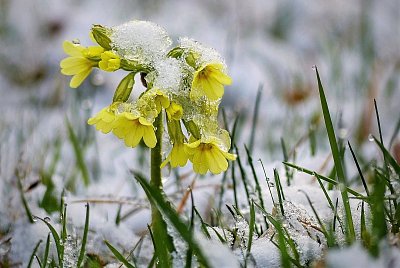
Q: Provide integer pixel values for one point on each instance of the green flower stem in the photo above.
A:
(156, 158)
(163, 245)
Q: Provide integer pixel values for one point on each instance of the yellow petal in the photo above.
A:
(149, 137)
(77, 80)
(212, 164)
(221, 78)
(72, 49)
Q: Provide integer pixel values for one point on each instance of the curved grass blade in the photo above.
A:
(155, 197)
(57, 241)
(34, 254)
(322, 177)
(118, 255)
(350, 233)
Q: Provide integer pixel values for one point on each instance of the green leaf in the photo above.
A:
(124, 88)
(156, 198)
(118, 255)
(101, 35)
(350, 233)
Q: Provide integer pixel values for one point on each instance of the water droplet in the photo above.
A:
(98, 79)
(47, 219)
(370, 137)
(314, 67)
(343, 133)
(76, 41)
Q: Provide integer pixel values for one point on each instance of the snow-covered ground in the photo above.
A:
(355, 44)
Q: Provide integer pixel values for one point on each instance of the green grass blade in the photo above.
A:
(289, 176)
(330, 240)
(388, 156)
(350, 233)
(33, 254)
(56, 237)
(322, 177)
(268, 182)
(359, 169)
(46, 251)
(84, 237)
(23, 199)
(258, 188)
(118, 255)
(243, 175)
(395, 132)
(78, 153)
(155, 196)
(234, 184)
(251, 231)
(255, 117)
(203, 224)
(365, 236)
(279, 191)
(285, 257)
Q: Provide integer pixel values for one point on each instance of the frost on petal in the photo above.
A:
(140, 41)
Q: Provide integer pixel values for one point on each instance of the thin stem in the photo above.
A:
(156, 158)
(162, 243)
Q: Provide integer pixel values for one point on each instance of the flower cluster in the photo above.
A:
(185, 82)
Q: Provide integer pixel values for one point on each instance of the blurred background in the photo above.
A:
(270, 48)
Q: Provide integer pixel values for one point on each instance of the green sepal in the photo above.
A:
(124, 88)
(192, 128)
(176, 52)
(101, 35)
(191, 59)
(175, 131)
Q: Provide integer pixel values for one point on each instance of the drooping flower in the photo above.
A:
(174, 111)
(80, 63)
(209, 80)
(110, 61)
(208, 155)
(151, 103)
(127, 125)
(132, 128)
(178, 156)
(104, 120)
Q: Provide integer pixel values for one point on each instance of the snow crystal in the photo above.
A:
(217, 254)
(140, 41)
(169, 75)
(357, 256)
(70, 252)
(206, 54)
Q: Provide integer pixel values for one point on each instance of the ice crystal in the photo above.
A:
(140, 41)
(70, 253)
(168, 75)
(202, 53)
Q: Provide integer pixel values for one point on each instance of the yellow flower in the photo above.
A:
(174, 111)
(132, 128)
(110, 61)
(207, 155)
(209, 80)
(80, 63)
(178, 156)
(104, 120)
